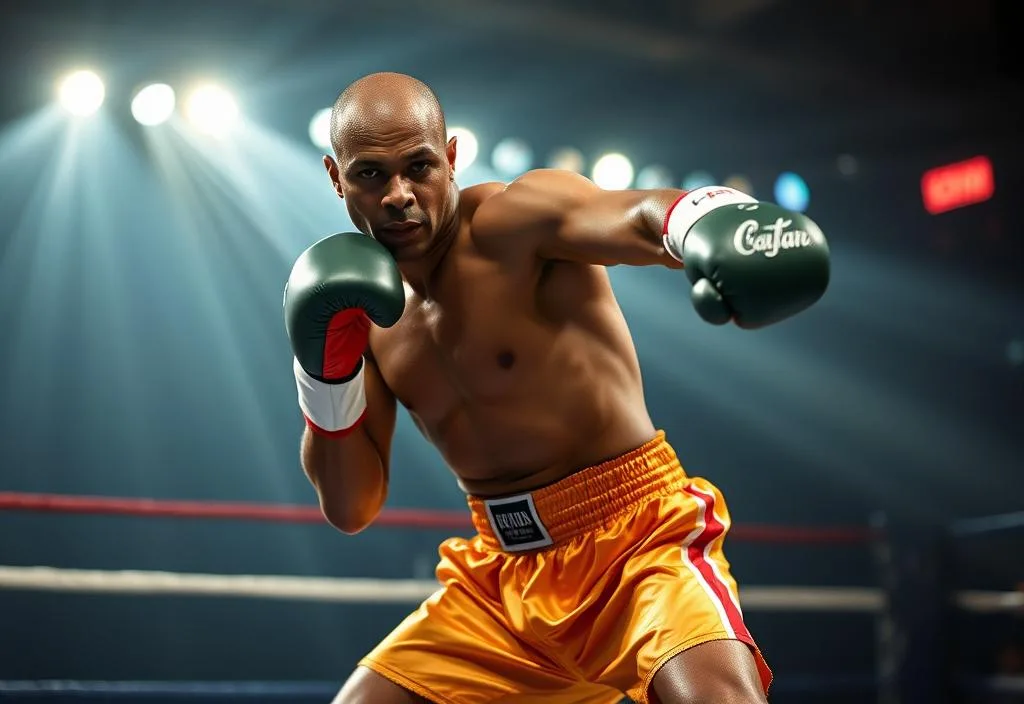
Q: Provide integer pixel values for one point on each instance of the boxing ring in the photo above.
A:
(913, 606)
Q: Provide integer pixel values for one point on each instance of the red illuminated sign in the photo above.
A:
(956, 185)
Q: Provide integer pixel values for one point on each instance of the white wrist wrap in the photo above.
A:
(330, 407)
(692, 207)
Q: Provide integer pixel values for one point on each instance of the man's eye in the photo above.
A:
(368, 173)
(419, 167)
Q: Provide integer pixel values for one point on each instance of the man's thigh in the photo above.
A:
(675, 595)
(460, 647)
(367, 687)
(721, 671)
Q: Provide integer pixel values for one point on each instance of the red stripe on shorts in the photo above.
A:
(713, 529)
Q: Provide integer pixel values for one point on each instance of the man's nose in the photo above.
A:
(398, 194)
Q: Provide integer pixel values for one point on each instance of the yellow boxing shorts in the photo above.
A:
(575, 593)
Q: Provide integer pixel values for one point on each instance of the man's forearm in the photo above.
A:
(654, 205)
(349, 477)
(616, 227)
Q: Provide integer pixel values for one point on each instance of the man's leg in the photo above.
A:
(367, 687)
(675, 612)
(720, 671)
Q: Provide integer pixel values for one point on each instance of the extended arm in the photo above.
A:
(561, 215)
(750, 262)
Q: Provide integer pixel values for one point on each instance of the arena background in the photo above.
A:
(141, 268)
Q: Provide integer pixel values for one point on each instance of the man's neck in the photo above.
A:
(419, 274)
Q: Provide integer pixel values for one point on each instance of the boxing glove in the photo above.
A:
(336, 288)
(750, 262)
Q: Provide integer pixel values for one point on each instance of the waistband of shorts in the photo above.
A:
(589, 498)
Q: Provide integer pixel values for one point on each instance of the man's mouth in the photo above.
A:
(402, 227)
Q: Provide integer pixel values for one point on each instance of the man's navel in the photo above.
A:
(506, 359)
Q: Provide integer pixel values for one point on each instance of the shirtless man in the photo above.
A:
(597, 568)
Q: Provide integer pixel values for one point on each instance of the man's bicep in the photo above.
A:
(381, 412)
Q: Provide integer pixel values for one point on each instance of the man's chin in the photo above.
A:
(404, 250)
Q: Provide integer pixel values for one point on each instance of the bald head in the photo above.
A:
(381, 101)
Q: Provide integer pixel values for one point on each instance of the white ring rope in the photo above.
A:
(352, 590)
(989, 602)
(394, 591)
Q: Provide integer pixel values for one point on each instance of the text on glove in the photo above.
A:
(752, 237)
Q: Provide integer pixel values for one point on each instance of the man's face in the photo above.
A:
(395, 180)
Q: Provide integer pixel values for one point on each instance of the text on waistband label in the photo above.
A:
(516, 523)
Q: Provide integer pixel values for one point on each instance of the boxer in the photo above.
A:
(597, 568)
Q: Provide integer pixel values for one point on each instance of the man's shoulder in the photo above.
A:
(471, 197)
(515, 218)
(539, 182)
(489, 214)
(533, 197)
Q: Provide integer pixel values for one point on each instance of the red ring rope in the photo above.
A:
(395, 517)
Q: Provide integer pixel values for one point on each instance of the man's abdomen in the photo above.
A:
(564, 421)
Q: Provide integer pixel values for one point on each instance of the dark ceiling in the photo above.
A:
(776, 77)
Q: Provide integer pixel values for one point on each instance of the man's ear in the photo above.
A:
(332, 170)
(449, 152)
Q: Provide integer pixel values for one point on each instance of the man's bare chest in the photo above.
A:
(476, 345)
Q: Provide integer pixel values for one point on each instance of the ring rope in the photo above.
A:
(987, 524)
(351, 590)
(324, 691)
(394, 517)
(997, 684)
(394, 591)
(130, 688)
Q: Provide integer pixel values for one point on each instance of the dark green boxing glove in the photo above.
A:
(750, 262)
(337, 287)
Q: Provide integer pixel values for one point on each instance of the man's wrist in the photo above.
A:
(332, 408)
(690, 207)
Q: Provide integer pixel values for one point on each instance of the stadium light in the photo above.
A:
(791, 191)
(466, 147)
(81, 93)
(741, 183)
(698, 179)
(654, 176)
(613, 172)
(320, 129)
(212, 110)
(512, 157)
(567, 158)
(153, 105)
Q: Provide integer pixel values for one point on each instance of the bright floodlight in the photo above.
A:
(82, 93)
(613, 172)
(212, 110)
(153, 104)
(320, 129)
(791, 191)
(654, 176)
(511, 157)
(740, 183)
(567, 158)
(466, 147)
(697, 179)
